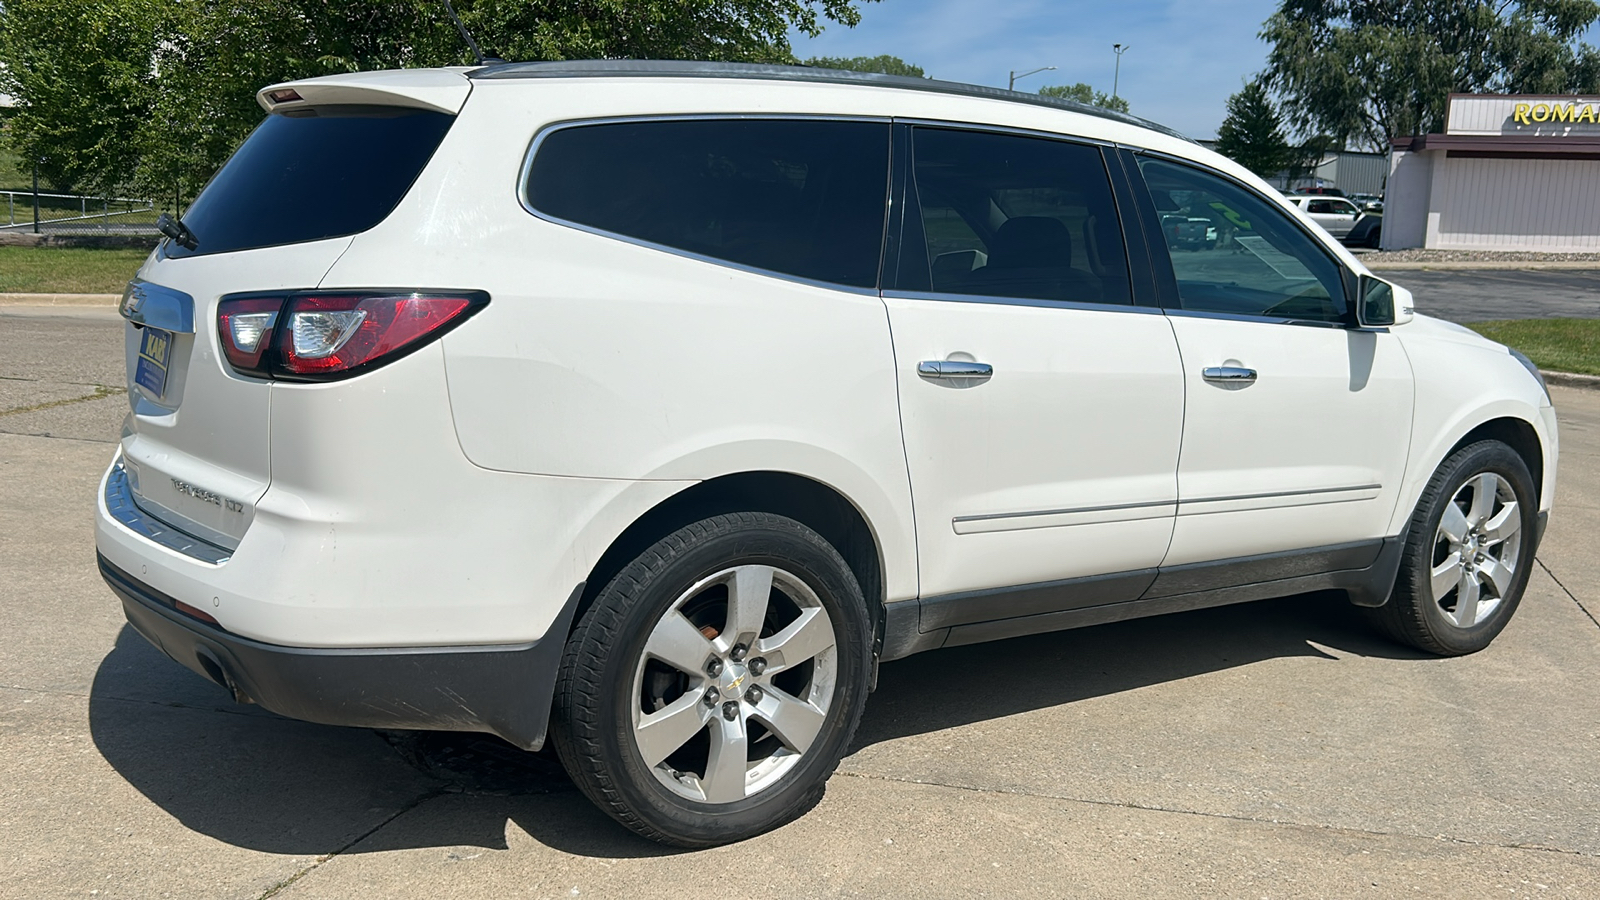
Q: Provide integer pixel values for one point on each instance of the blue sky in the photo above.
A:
(1184, 58)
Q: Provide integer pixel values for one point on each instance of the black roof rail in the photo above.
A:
(674, 68)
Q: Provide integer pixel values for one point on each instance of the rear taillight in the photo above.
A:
(324, 336)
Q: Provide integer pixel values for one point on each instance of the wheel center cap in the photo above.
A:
(734, 680)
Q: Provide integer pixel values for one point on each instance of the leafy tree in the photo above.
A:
(1083, 93)
(81, 77)
(155, 94)
(883, 65)
(1375, 70)
(1252, 134)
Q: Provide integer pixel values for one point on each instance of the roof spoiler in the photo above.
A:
(437, 90)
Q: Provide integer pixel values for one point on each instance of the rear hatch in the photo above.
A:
(279, 214)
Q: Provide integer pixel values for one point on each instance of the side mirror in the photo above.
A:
(1381, 304)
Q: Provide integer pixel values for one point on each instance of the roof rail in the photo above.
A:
(673, 68)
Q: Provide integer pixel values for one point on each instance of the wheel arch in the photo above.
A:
(818, 506)
(1519, 435)
(1506, 422)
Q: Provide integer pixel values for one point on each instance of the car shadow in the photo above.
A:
(255, 780)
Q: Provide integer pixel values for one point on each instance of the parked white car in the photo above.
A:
(657, 403)
(1336, 215)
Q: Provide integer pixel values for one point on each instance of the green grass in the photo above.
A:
(63, 270)
(1557, 345)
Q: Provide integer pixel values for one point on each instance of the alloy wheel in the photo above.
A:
(1477, 550)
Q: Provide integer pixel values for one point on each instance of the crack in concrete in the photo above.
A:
(284, 885)
(1539, 848)
(163, 703)
(100, 393)
(1570, 595)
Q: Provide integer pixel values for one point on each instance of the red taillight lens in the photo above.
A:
(331, 334)
(312, 336)
(246, 327)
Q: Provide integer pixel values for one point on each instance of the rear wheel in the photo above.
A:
(1468, 553)
(715, 683)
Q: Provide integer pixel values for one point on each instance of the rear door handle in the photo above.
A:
(1229, 374)
(952, 368)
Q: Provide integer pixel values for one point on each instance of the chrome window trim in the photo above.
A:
(550, 128)
(121, 506)
(1023, 301)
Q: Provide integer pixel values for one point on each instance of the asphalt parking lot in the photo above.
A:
(1477, 295)
(1271, 749)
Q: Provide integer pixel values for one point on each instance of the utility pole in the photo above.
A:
(1012, 85)
(1116, 77)
(36, 196)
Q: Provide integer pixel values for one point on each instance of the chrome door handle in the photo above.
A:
(953, 368)
(1229, 374)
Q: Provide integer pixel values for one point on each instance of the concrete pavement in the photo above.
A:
(1270, 749)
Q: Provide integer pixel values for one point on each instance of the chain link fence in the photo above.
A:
(26, 211)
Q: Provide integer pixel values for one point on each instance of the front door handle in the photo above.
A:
(1229, 374)
(954, 368)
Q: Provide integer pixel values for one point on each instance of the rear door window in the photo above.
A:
(793, 196)
(1013, 216)
(313, 174)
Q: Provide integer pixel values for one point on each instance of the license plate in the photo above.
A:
(155, 352)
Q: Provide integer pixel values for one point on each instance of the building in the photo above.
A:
(1351, 171)
(1510, 172)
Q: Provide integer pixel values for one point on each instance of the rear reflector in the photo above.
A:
(324, 336)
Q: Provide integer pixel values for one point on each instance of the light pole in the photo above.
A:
(1116, 77)
(1014, 76)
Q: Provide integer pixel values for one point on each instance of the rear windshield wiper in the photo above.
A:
(174, 228)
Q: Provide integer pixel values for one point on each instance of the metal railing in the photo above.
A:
(76, 213)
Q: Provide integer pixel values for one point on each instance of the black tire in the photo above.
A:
(1375, 238)
(1413, 616)
(593, 722)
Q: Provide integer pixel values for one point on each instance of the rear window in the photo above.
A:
(798, 197)
(318, 173)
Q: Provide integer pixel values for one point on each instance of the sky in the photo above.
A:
(1184, 57)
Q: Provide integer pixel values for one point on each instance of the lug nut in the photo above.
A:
(730, 710)
(739, 650)
(758, 665)
(714, 667)
(711, 698)
(754, 695)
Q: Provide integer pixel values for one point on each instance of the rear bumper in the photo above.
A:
(503, 689)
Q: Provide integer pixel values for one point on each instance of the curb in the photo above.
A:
(60, 299)
(1469, 265)
(1572, 380)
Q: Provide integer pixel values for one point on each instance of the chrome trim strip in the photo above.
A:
(1024, 301)
(1062, 512)
(120, 504)
(551, 128)
(1270, 494)
(1157, 508)
(144, 303)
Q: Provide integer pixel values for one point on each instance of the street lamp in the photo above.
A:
(1116, 77)
(1014, 76)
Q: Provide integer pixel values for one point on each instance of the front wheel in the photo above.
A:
(715, 683)
(1468, 554)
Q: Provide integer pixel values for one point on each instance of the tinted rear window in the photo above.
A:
(804, 198)
(319, 174)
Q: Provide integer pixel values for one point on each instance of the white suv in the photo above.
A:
(659, 402)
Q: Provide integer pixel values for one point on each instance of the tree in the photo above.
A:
(1088, 96)
(1252, 134)
(155, 94)
(883, 65)
(1370, 71)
